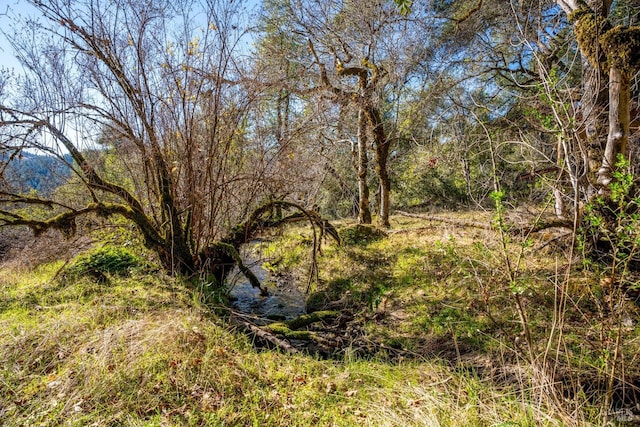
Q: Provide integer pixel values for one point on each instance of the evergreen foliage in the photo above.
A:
(36, 172)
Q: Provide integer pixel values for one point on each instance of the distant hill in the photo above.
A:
(36, 172)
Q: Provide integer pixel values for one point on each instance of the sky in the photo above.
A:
(10, 8)
(9, 11)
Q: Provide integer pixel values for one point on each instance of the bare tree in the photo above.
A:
(158, 83)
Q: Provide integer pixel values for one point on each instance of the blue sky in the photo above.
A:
(10, 8)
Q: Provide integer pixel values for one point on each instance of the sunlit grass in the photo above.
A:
(432, 288)
(141, 350)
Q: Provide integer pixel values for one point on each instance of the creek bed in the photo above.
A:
(284, 302)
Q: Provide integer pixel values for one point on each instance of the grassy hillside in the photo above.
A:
(435, 340)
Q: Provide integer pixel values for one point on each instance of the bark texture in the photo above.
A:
(364, 212)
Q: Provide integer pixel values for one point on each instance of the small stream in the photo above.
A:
(285, 301)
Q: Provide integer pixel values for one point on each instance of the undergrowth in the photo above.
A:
(146, 351)
(499, 305)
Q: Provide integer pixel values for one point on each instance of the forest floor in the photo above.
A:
(431, 323)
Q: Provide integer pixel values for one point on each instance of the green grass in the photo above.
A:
(430, 289)
(142, 350)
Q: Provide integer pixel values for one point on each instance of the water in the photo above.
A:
(285, 301)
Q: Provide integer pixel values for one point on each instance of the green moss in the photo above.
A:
(579, 13)
(283, 330)
(622, 45)
(606, 47)
(307, 319)
(288, 329)
(105, 260)
(588, 29)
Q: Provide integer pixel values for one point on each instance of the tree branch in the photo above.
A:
(568, 6)
(339, 95)
(233, 253)
(18, 198)
(244, 232)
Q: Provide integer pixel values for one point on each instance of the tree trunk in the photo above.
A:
(593, 105)
(382, 154)
(364, 213)
(381, 157)
(282, 116)
(619, 118)
(467, 173)
(177, 256)
(559, 206)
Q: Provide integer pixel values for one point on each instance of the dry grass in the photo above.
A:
(142, 351)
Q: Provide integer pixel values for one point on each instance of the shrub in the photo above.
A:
(610, 228)
(105, 260)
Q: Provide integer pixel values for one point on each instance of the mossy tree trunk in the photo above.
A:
(364, 212)
(593, 111)
(373, 75)
(613, 52)
(345, 98)
(381, 144)
(369, 77)
(619, 118)
(594, 100)
(559, 205)
(610, 51)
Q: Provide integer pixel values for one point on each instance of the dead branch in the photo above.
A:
(452, 221)
(512, 228)
(264, 335)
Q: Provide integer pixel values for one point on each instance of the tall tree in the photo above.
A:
(362, 51)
